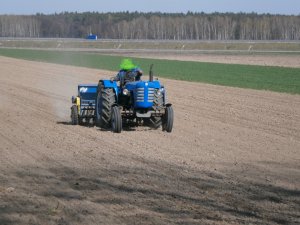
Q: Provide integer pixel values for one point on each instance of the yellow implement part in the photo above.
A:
(78, 103)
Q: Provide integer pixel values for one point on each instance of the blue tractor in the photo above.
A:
(134, 102)
(83, 108)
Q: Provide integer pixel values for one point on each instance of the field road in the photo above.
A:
(232, 158)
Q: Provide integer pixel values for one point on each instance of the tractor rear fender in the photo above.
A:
(164, 92)
(168, 104)
(111, 84)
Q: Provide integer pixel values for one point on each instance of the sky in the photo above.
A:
(287, 7)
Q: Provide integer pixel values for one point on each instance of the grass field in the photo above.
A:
(255, 77)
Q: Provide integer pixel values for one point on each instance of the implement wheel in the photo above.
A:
(168, 119)
(74, 115)
(116, 120)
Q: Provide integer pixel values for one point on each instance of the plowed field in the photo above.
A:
(232, 158)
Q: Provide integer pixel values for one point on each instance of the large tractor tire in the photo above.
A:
(105, 100)
(74, 115)
(158, 104)
(168, 119)
(116, 120)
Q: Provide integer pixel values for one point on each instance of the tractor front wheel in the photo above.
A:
(168, 119)
(74, 115)
(116, 120)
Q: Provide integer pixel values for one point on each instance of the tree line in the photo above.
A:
(163, 26)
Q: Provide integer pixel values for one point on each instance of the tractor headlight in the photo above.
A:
(160, 91)
(125, 92)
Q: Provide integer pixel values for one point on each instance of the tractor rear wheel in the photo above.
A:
(116, 120)
(155, 122)
(74, 115)
(168, 119)
(104, 102)
(158, 104)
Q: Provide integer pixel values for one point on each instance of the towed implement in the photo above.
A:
(83, 108)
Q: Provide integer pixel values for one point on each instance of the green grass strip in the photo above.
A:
(277, 79)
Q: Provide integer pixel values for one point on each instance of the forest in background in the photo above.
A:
(162, 26)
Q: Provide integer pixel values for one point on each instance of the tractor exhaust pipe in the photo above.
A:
(151, 73)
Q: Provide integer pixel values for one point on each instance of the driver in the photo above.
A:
(128, 72)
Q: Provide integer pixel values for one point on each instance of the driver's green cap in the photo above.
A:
(127, 64)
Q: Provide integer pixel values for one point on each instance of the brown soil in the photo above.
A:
(262, 60)
(233, 157)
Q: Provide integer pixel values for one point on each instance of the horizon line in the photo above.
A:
(141, 12)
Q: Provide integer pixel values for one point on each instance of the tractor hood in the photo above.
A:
(138, 84)
(143, 93)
